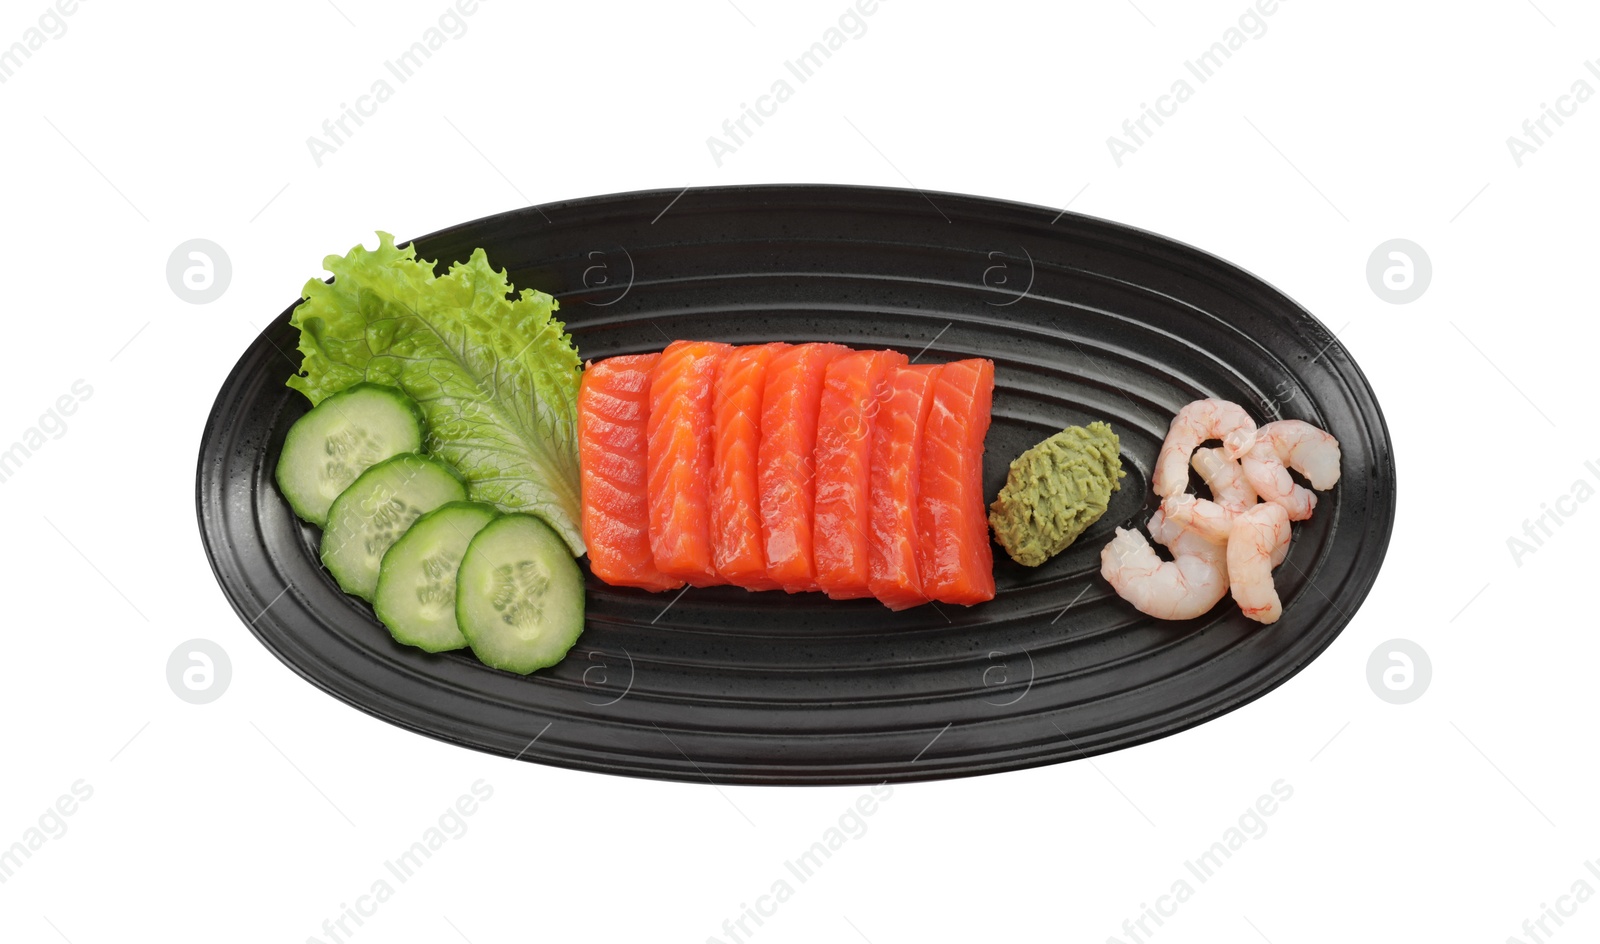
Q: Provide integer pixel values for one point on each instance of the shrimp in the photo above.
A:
(1270, 478)
(1257, 542)
(1183, 588)
(1194, 424)
(1280, 551)
(1225, 478)
(1305, 449)
(1292, 444)
(1188, 513)
(1210, 520)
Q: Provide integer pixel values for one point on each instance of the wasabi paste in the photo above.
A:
(1055, 491)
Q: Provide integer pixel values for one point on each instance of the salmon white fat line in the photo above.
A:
(1539, 529)
(736, 131)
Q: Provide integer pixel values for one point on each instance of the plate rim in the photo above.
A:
(1014, 759)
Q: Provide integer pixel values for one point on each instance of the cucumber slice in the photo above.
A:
(340, 438)
(369, 516)
(416, 595)
(519, 595)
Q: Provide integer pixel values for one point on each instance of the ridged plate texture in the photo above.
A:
(1084, 319)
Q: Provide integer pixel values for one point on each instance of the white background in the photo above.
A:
(1455, 817)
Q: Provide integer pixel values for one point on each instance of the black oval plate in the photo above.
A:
(1084, 320)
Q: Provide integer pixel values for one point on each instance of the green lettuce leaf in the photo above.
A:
(496, 375)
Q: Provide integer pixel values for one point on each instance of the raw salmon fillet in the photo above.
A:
(613, 407)
(790, 401)
(735, 497)
(852, 393)
(892, 546)
(680, 459)
(956, 562)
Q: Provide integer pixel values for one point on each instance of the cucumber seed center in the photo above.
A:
(351, 451)
(438, 586)
(390, 519)
(519, 591)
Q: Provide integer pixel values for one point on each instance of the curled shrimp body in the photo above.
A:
(1225, 478)
(1281, 550)
(1236, 538)
(1258, 541)
(1292, 444)
(1183, 588)
(1270, 478)
(1209, 520)
(1186, 512)
(1305, 449)
(1194, 424)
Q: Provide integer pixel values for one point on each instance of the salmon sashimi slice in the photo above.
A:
(893, 573)
(613, 409)
(680, 459)
(852, 398)
(956, 561)
(790, 401)
(735, 496)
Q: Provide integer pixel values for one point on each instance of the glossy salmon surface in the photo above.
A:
(680, 453)
(853, 391)
(955, 557)
(736, 545)
(790, 403)
(893, 572)
(613, 409)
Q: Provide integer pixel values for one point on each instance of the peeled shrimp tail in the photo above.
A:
(1225, 478)
(1183, 588)
(1305, 449)
(1254, 542)
(1270, 478)
(1207, 519)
